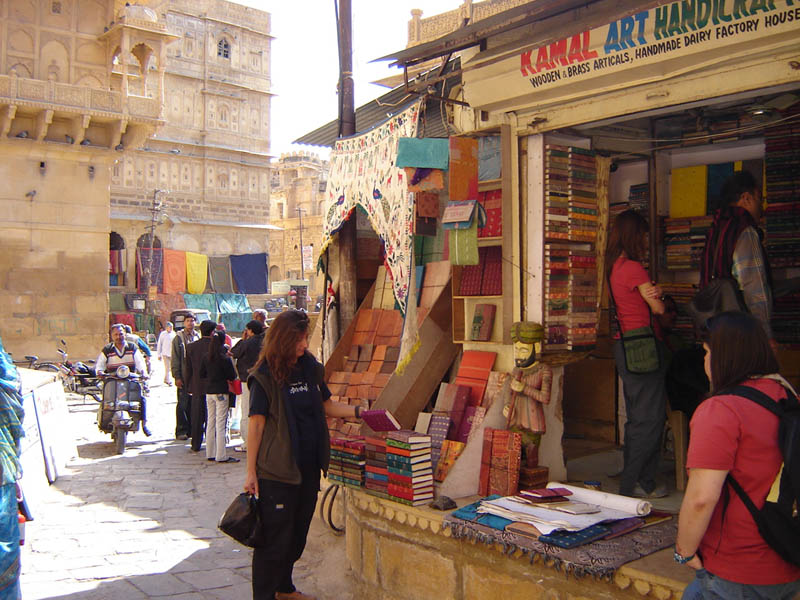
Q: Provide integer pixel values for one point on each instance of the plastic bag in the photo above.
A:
(242, 521)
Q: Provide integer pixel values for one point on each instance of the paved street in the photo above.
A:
(143, 525)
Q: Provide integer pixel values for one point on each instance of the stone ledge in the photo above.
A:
(372, 519)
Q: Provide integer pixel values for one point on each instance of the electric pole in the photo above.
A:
(348, 302)
(302, 256)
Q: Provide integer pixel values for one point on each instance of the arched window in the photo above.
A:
(223, 115)
(223, 48)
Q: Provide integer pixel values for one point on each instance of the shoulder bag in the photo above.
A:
(638, 345)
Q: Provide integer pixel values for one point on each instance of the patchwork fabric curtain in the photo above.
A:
(363, 172)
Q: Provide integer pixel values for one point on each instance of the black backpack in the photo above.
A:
(779, 522)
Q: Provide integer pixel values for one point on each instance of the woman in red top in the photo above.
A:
(635, 298)
(717, 535)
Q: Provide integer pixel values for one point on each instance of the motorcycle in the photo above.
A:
(78, 377)
(120, 411)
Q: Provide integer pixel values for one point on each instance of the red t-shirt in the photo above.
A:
(626, 277)
(730, 433)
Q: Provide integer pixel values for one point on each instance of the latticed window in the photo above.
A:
(224, 49)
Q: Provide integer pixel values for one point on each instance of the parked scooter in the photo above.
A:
(78, 377)
(120, 411)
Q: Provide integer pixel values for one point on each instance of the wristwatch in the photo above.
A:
(680, 559)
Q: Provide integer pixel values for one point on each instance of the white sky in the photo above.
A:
(305, 63)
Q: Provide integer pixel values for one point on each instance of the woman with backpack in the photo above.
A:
(635, 300)
(287, 447)
(731, 435)
(215, 371)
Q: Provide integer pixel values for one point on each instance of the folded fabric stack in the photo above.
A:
(639, 198)
(347, 461)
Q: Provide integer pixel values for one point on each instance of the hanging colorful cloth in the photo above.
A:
(174, 271)
(363, 172)
(196, 272)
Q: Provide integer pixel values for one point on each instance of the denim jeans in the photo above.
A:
(707, 586)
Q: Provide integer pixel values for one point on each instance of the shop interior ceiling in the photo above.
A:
(632, 137)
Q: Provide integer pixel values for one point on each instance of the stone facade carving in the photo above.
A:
(212, 152)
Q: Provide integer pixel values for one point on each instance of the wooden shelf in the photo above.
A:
(490, 184)
(489, 343)
(490, 241)
(475, 297)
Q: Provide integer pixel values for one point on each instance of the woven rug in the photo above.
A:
(599, 559)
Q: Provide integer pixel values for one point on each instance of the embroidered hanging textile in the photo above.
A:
(363, 172)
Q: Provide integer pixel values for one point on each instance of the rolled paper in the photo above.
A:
(606, 499)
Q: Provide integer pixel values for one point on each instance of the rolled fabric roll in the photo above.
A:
(606, 499)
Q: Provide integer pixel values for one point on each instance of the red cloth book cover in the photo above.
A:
(493, 204)
(492, 281)
(483, 322)
(466, 424)
(460, 404)
(380, 420)
(486, 458)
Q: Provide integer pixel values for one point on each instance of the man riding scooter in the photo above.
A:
(120, 352)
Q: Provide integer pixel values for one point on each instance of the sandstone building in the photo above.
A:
(211, 155)
(81, 84)
(298, 184)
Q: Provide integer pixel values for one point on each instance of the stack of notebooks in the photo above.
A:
(500, 462)
(684, 240)
(410, 473)
(782, 171)
(377, 472)
(570, 297)
(783, 234)
(485, 278)
(682, 293)
(348, 462)
(639, 198)
(570, 194)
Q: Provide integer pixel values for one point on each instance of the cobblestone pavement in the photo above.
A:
(143, 525)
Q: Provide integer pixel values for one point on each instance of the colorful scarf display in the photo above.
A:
(363, 172)
(196, 272)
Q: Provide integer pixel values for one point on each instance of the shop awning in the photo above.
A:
(376, 111)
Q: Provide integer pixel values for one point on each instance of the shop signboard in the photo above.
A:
(308, 258)
(667, 40)
(280, 287)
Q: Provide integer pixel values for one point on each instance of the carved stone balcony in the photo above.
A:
(64, 113)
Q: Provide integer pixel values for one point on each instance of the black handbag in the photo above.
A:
(242, 521)
(719, 296)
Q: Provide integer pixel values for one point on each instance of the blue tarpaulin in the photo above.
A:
(233, 303)
(250, 273)
(202, 301)
(236, 321)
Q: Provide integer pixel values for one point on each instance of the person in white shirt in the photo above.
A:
(164, 351)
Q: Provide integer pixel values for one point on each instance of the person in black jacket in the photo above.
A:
(195, 352)
(215, 371)
(246, 354)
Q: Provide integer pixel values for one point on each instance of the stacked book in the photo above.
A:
(348, 462)
(570, 297)
(783, 234)
(377, 473)
(410, 473)
(639, 198)
(582, 190)
(682, 293)
(786, 320)
(582, 319)
(684, 239)
(570, 194)
(782, 159)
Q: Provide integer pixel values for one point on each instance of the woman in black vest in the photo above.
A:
(287, 447)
